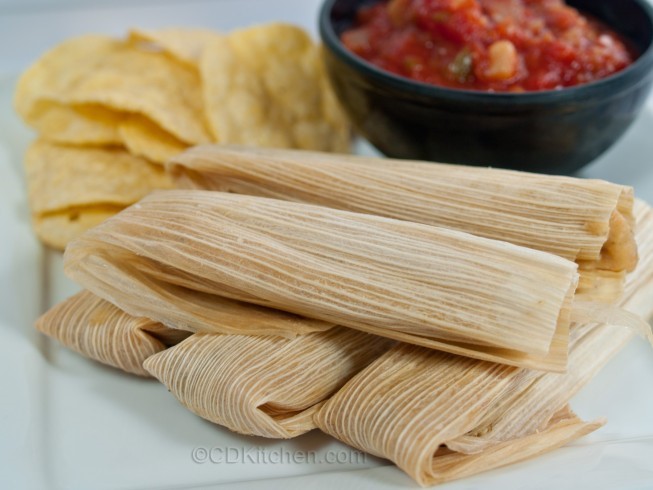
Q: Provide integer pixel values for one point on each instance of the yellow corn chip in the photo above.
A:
(117, 75)
(232, 95)
(84, 124)
(62, 177)
(72, 189)
(57, 229)
(184, 44)
(266, 86)
(144, 138)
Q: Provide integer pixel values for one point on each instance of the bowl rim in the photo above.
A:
(614, 83)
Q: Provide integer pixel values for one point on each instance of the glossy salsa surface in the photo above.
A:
(488, 45)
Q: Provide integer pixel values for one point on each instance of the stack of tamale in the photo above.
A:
(438, 316)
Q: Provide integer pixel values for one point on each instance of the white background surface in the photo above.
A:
(66, 422)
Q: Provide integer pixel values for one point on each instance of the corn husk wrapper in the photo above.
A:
(264, 386)
(587, 221)
(439, 288)
(146, 288)
(564, 428)
(98, 330)
(591, 347)
(639, 287)
(411, 401)
(440, 418)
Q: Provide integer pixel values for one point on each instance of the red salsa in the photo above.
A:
(490, 45)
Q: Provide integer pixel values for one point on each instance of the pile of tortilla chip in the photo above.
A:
(109, 112)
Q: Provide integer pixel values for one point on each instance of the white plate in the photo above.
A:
(66, 422)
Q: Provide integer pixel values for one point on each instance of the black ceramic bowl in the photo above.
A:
(552, 131)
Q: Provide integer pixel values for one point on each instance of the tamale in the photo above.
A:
(564, 428)
(639, 287)
(420, 284)
(410, 403)
(412, 400)
(98, 330)
(264, 386)
(179, 300)
(587, 221)
(592, 346)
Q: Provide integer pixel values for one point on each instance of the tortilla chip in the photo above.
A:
(233, 95)
(85, 124)
(58, 229)
(120, 76)
(63, 177)
(266, 86)
(184, 44)
(145, 139)
(72, 189)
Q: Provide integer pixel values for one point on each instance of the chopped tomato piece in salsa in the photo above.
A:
(491, 45)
